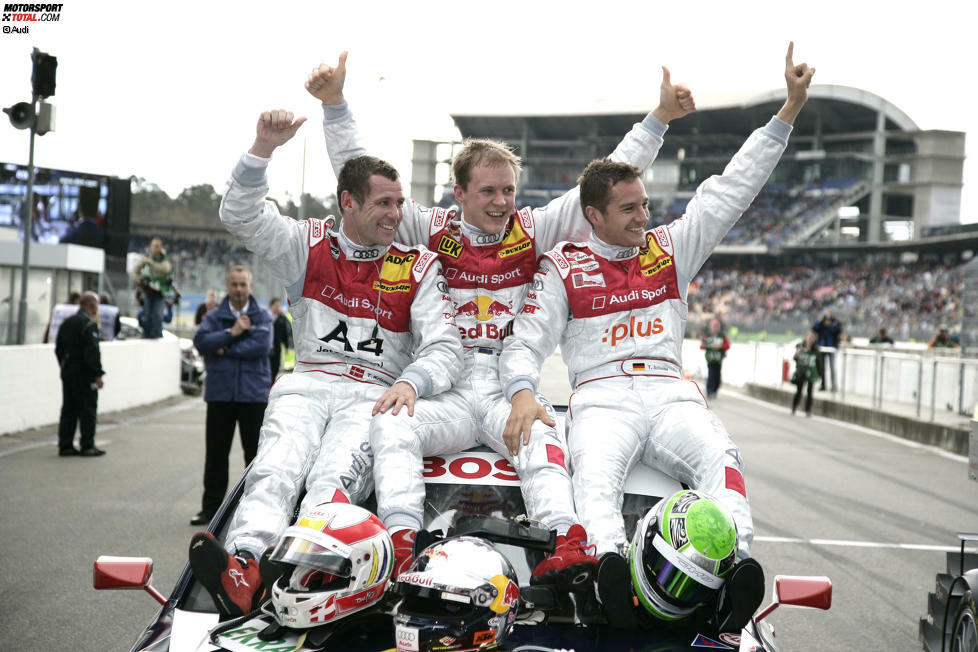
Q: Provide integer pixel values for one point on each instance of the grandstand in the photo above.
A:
(861, 215)
(849, 149)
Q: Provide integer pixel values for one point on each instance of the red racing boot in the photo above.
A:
(234, 582)
(403, 550)
(571, 566)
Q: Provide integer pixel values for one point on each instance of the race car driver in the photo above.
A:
(489, 254)
(372, 332)
(616, 304)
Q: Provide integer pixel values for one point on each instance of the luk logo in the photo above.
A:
(450, 247)
(633, 328)
(484, 308)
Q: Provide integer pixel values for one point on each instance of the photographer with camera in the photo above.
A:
(152, 275)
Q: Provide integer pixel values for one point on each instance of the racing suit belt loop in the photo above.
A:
(358, 372)
(629, 367)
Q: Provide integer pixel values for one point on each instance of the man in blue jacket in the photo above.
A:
(235, 339)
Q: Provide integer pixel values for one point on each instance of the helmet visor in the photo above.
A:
(678, 578)
(303, 552)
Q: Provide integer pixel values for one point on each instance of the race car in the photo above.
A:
(951, 623)
(475, 492)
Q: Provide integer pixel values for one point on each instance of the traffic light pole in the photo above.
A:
(28, 219)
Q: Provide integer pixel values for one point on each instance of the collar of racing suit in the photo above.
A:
(610, 252)
(360, 253)
(478, 237)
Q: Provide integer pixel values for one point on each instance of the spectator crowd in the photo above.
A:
(910, 299)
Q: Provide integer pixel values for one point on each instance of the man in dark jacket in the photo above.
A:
(829, 331)
(235, 339)
(282, 330)
(81, 377)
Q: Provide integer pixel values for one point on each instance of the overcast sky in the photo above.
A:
(171, 91)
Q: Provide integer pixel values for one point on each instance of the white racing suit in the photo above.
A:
(619, 315)
(363, 318)
(487, 278)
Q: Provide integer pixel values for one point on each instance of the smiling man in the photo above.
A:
(489, 251)
(616, 304)
(372, 331)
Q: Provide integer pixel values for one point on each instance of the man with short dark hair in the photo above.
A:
(78, 353)
(372, 332)
(616, 304)
(235, 339)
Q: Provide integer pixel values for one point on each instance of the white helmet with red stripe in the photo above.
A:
(341, 558)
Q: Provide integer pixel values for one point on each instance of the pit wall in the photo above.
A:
(137, 372)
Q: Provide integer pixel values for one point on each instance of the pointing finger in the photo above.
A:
(789, 58)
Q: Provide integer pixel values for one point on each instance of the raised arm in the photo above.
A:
(798, 78)
(325, 83)
(280, 242)
(722, 199)
(562, 218)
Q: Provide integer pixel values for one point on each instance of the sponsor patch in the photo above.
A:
(450, 247)
(657, 267)
(484, 636)
(424, 260)
(316, 232)
(582, 280)
(391, 287)
(509, 251)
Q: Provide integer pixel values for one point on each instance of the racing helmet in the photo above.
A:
(680, 554)
(338, 560)
(459, 594)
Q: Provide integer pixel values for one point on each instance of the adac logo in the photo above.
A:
(484, 308)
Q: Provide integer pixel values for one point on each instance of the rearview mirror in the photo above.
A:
(800, 591)
(125, 573)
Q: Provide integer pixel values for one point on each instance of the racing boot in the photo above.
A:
(740, 596)
(571, 566)
(614, 591)
(233, 582)
(403, 541)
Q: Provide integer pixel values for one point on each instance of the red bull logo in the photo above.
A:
(484, 308)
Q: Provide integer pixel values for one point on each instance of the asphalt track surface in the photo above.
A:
(870, 512)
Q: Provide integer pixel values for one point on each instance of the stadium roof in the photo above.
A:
(839, 109)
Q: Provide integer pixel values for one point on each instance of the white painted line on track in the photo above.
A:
(863, 429)
(860, 544)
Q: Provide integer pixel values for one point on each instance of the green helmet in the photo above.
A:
(680, 553)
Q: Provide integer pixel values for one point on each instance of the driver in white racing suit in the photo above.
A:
(372, 331)
(616, 304)
(489, 254)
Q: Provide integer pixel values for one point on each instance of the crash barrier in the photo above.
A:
(925, 381)
(137, 372)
